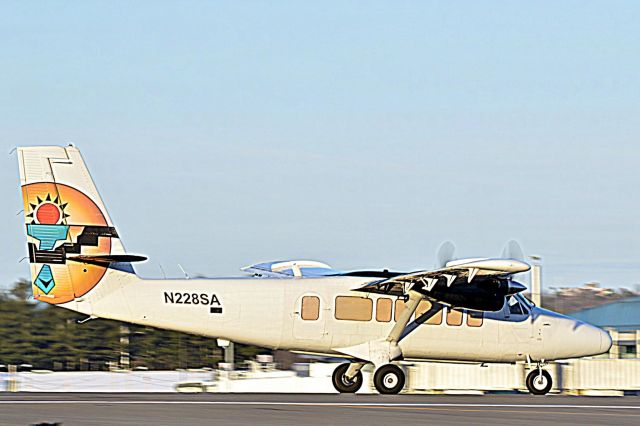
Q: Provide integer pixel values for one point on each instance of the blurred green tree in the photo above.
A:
(48, 337)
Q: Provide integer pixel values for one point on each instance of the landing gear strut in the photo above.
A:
(539, 381)
(389, 379)
(343, 383)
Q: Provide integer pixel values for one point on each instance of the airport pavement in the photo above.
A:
(292, 409)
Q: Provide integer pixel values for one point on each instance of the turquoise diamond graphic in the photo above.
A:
(44, 281)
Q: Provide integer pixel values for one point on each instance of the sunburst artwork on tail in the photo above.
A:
(63, 220)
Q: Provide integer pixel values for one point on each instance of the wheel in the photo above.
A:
(389, 379)
(344, 385)
(539, 384)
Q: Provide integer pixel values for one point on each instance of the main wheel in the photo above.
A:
(389, 379)
(344, 385)
(539, 384)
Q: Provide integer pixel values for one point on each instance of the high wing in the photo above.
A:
(290, 269)
(478, 283)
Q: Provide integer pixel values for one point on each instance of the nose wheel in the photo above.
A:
(539, 382)
(342, 383)
(389, 379)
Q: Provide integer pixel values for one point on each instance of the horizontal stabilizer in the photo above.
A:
(106, 259)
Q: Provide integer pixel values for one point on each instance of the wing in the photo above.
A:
(290, 269)
(479, 284)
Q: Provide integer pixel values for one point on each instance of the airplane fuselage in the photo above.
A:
(269, 313)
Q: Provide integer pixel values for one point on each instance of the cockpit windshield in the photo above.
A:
(518, 305)
(528, 303)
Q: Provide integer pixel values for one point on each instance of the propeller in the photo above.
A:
(513, 250)
(445, 253)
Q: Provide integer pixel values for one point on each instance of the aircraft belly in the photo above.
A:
(444, 342)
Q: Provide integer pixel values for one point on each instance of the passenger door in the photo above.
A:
(309, 318)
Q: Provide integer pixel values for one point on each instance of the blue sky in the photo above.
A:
(363, 134)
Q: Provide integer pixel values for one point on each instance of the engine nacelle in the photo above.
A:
(479, 295)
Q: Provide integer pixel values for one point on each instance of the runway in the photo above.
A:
(292, 409)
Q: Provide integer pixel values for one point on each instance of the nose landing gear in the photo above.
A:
(539, 381)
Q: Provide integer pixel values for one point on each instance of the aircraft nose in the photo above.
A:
(596, 340)
(605, 341)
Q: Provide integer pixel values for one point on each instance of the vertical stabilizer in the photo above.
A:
(65, 219)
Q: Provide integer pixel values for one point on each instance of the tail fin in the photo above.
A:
(70, 236)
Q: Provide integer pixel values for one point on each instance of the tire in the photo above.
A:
(539, 385)
(341, 383)
(389, 379)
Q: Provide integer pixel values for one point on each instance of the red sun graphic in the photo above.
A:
(47, 211)
(48, 214)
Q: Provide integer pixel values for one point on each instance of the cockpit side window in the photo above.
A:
(526, 303)
(515, 307)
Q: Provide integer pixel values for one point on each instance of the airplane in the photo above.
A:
(465, 310)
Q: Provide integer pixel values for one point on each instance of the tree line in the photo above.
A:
(47, 337)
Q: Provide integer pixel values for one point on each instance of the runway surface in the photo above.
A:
(292, 409)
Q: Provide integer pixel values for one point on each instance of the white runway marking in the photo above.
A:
(320, 404)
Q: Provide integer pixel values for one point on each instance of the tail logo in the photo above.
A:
(62, 221)
(44, 281)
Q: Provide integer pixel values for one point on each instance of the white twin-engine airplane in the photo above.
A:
(467, 310)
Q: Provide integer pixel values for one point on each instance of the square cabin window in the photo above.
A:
(354, 308)
(425, 306)
(474, 319)
(310, 308)
(400, 305)
(454, 317)
(384, 306)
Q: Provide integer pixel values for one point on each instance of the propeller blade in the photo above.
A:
(512, 250)
(445, 253)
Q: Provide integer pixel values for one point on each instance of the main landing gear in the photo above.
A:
(347, 383)
(388, 379)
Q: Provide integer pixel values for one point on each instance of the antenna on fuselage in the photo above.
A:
(186, 276)
(162, 270)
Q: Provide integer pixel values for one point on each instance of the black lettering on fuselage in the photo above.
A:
(184, 298)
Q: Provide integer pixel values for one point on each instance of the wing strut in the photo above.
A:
(382, 351)
(409, 309)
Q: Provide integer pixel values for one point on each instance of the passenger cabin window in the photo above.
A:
(474, 319)
(454, 317)
(399, 309)
(354, 308)
(425, 306)
(310, 308)
(384, 307)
